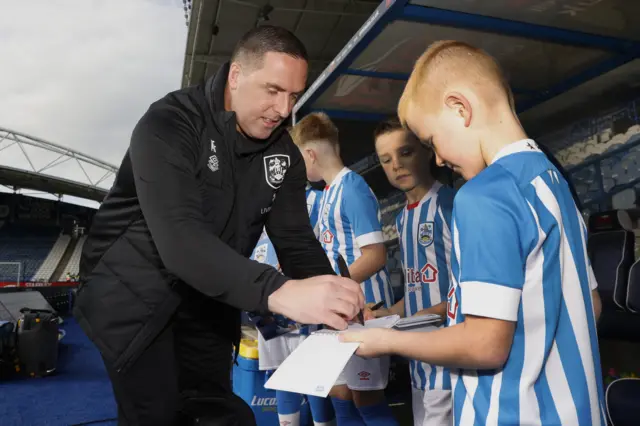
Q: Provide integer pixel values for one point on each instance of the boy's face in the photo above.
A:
(311, 163)
(404, 160)
(448, 132)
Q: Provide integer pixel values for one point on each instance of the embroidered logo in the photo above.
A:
(275, 168)
(213, 163)
(425, 234)
(261, 253)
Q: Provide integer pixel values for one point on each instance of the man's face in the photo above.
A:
(454, 144)
(263, 97)
(404, 160)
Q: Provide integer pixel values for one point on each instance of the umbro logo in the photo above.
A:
(213, 163)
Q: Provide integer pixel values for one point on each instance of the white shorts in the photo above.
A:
(272, 352)
(431, 407)
(365, 374)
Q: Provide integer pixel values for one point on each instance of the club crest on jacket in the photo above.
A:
(275, 168)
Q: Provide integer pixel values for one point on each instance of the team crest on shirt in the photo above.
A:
(325, 211)
(425, 234)
(275, 167)
(261, 253)
(327, 237)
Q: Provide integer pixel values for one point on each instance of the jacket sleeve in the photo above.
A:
(289, 228)
(164, 154)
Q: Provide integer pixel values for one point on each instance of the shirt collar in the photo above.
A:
(524, 145)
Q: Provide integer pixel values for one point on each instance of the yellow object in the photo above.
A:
(248, 349)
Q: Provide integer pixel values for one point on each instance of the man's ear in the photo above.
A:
(234, 75)
(460, 105)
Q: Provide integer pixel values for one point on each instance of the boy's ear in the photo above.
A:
(312, 154)
(460, 105)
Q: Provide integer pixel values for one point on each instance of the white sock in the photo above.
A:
(289, 419)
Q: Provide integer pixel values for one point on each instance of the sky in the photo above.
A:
(80, 73)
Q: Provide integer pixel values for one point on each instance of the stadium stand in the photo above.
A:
(50, 264)
(28, 245)
(73, 265)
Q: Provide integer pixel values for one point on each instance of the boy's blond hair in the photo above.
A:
(315, 127)
(453, 64)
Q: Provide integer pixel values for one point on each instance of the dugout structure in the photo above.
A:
(566, 60)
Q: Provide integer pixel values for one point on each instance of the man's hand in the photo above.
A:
(374, 342)
(327, 299)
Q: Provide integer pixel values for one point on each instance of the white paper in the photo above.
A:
(314, 367)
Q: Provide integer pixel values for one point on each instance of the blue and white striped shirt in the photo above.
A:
(313, 206)
(425, 247)
(519, 254)
(349, 220)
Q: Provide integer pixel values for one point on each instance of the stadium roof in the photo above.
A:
(28, 162)
(578, 48)
(215, 26)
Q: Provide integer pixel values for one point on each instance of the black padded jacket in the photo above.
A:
(187, 207)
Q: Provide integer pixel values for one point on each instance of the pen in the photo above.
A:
(344, 271)
(377, 306)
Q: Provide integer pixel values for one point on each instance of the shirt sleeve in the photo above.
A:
(164, 153)
(289, 227)
(361, 209)
(593, 283)
(490, 250)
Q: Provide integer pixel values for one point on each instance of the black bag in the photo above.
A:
(37, 341)
(7, 348)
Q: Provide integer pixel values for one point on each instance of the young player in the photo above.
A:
(349, 226)
(523, 303)
(271, 353)
(425, 246)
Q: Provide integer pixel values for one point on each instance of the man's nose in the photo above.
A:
(439, 161)
(283, 105)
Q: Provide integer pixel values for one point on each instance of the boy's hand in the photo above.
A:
(378, 313)
(368, 313)
(374, 342)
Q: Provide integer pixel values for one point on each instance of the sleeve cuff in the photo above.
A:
(490, 300)
(271, 280)
(370, 238)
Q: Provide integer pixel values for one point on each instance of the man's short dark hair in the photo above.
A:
(267, 38)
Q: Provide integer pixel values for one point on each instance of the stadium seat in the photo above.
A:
(611, 250)
(633, 289)
(621, 400)
(27, 246)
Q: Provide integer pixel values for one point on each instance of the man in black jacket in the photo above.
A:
(164, 270)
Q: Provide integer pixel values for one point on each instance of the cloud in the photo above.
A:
(80, 73)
